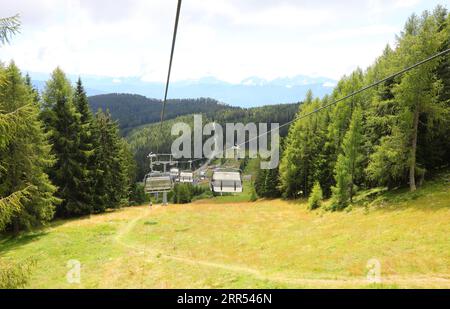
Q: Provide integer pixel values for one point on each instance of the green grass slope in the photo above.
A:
(264, 244)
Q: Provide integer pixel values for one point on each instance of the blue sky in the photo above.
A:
(228, 39)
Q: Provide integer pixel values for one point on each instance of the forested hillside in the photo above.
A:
(396, 134)
(132, 110)
(152, 138)
(56, 157)
(139, 117)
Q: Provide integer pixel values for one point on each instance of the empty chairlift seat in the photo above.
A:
(158, 182)
(174, 173)
(187, 177)
(226, 181)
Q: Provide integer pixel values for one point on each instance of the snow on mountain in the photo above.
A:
(251, 91)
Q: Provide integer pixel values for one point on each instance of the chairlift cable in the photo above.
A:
(163, 108)
(399, 73)
(171, 59)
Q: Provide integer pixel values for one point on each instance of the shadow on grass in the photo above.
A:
(432, 196)
(183, 229)
(150, 223)
(11, 242)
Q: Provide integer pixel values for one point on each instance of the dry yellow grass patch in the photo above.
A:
(268, 243)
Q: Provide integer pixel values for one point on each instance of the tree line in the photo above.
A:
(132, 110)
(154, 137)
(396, 134)
(56, 157)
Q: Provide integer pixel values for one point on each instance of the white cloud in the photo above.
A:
(329, 85)
(405, 3)
(228, 39)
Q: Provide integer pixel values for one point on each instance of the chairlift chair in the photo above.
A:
(155, 182)
(175, 174)
(226, 181)
(186, 177)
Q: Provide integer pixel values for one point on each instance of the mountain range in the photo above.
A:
(250, 92)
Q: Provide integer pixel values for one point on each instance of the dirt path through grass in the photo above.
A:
(152, 256)
(264, 244)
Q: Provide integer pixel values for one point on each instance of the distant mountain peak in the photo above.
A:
(254, 81)
(250, 92)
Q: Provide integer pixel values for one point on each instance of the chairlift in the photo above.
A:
(187, 176)
(155, 182)
(226, 181)
(175, 174)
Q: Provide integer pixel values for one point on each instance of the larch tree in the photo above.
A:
(26, 157)
(418, 90)
(10, 122)
(433, 149)
(9, 26)
(348, 166)
(26, 194)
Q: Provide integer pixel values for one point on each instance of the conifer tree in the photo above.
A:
(271, 183)
(340, 192)
(128, 168)
(315, 198)
(25, 158)
(101, 165)
(34, 91)
(113, 162)
(417, 91)
(352, 149)
(8, 27)
(86, 144)
(304, 143)
(348, 166)
(418, 107)
(259, 183)
(64, 125)
(433, 144)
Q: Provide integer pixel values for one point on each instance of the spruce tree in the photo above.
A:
(114, 164)
(33, 90)
(129, 168)
(64, 125)
(305, 141)
(86, 144)
(259, 183)
(101, 174)
(271, 183)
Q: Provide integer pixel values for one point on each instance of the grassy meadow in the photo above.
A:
(221, 243)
